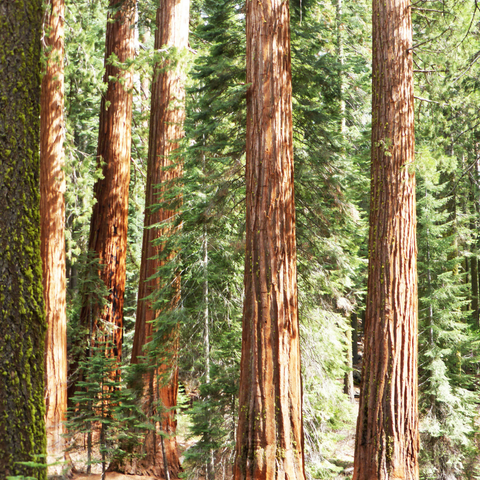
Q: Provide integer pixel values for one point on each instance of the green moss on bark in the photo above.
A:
(22, 318)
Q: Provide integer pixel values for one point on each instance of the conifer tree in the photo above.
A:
(387, 427)
(447, 138)
(270, 429)
(166, 130)
(22, 315)
(52, 214)
(95, 407)
(85, 26)
(212, 235)
(446, 402)
(108, 228)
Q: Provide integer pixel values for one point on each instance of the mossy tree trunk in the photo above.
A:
(108, 227)
(52, 213)
(164, 168)
(387, 439)
(270, 430)
(22, 315)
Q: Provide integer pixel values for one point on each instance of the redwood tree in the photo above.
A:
(387, 439)
(108, 228)
(52, 214)
(270, 430)
(22, 315)
(166, 129)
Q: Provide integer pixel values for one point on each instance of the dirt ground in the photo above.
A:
(111, 476)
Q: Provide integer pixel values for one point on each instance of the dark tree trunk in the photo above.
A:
(166, 130)
(354, 323)
(348, 388)
(52, 214)
(387, 438)
(22, 315)
(108, 227)
(270, 430)
(473, 260)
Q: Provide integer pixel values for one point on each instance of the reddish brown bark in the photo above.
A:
(270, 431)
(108, 228)
(166, 129)
(52, 214)
(387, 439)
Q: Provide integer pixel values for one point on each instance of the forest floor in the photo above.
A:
(340, 457)
(111, 476)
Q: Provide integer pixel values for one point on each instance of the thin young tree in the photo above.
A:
(52, 214)
(163, 168)
(387, 439)
(108, 227)
(22, 314)
(270, 430)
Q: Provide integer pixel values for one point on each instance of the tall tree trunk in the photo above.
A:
(210, 459)
(473, 259)
(108, 227)
(387, 438)
(52, 214)
(166, 130)
(22, 314)
(341, 60)
(270, 429)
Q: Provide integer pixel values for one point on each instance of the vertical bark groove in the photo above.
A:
(270, 430)
(387, 439)
(166, 130)
(52, 214)
(108, 228)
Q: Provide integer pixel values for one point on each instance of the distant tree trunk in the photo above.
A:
(166, 130)
(387, 439)
(473, 260)
(354, 323)
(341, 60)
(348, 388)
(22, 314)
(108, 227)
(52, 214)
(210, 458)
(270, 429)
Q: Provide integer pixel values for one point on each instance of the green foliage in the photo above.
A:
(85, 25)
(327, 410)
(446, 137)
(331, 192)
(213, 219)
(447, 403)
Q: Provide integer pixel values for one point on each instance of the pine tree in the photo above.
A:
(85, 25)
(446, 401)
(212, 239)
(95, 406)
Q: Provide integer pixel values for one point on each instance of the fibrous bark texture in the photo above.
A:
(166, 130)
(52, 214)
(270, 430)
(387, 439)
(22, 315)
(108, 228)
